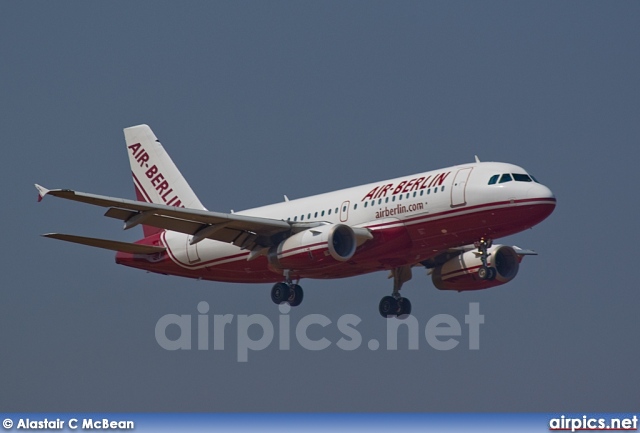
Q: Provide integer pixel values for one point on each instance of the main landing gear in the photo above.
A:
(287, 292)
(485, 272)
(395, 305)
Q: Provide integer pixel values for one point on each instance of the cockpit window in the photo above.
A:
(505, 178)
(521, 177)
(508, 177)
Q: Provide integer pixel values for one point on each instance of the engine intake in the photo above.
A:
(315, 248)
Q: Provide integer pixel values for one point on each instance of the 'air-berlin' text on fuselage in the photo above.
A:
(414, 184)
(156, 178)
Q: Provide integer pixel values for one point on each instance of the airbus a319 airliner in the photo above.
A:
(444, 220)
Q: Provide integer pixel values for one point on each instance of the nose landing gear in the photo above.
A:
(485, 272)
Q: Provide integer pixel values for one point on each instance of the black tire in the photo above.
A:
(492, 274)
(404, 307)
(295, 295)
(388, 306)
(280, 293)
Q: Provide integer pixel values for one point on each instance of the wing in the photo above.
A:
(247, 232)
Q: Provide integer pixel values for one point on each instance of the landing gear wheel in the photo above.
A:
(388, 306)
(486, 273)
(295, 295)
(492, 273)
(404, 308)
(483, 273)
(280, 293)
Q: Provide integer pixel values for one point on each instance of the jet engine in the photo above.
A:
(315, 248)
(461, 272)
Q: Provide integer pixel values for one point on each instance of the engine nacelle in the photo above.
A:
(461, 272)
(315, 248)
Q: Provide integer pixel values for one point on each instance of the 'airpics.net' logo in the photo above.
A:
(441, 332)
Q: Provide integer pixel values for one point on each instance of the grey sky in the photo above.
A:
(254, 100)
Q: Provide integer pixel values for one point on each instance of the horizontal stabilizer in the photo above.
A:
(124, 247)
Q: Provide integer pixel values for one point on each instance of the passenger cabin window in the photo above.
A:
(494, 179)
(505, 178)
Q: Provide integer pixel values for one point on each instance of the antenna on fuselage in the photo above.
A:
(477, 159)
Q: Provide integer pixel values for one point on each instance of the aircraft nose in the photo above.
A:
(540, 191)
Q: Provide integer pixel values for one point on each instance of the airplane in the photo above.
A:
(444, 220)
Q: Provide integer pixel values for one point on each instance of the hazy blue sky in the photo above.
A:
(254, 100)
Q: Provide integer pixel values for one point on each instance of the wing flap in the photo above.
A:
(177, 225)
(168, 223)
(107, 244)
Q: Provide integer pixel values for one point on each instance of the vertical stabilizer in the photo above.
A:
(155, 176)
